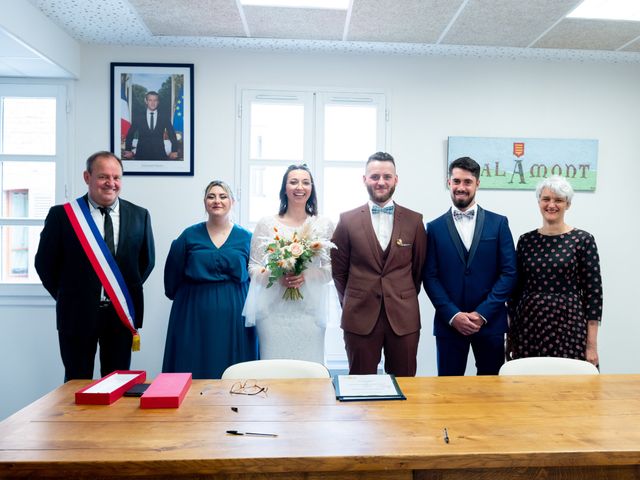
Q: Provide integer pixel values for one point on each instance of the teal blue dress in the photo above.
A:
(208, 286)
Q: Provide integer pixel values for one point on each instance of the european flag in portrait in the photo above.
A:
(178, 112)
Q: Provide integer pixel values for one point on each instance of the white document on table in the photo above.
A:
(367, 387)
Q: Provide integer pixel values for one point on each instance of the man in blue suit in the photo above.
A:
(469, 273)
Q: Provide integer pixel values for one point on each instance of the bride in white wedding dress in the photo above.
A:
(291, 328)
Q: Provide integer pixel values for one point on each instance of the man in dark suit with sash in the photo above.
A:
(377, 268)
(469, 274)
(88, 310)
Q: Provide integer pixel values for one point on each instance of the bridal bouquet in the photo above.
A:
(292, 256)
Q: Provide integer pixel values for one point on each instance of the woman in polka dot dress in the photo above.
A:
(556, 307)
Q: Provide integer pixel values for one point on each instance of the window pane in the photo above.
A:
(28, 189)
(343, 190)
(349, 132)
(264, 187)
(19, 245)
(277, 132)
(28, 126)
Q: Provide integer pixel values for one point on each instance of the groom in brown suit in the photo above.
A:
(377, 268)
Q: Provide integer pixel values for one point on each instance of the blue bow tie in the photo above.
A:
(457, 215)
(388, 209)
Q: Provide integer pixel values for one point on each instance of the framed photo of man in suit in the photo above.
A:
(152, 117)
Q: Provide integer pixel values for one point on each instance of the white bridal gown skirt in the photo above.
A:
(286, 335)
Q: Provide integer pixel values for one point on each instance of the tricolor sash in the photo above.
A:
(103, 263)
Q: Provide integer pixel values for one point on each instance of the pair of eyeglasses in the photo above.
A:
(247, 387)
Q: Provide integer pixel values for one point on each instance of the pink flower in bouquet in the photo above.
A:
(296, 249)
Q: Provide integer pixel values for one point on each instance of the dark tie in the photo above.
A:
(375, 209)
(457, 215)
(108, 230)
(151, 122)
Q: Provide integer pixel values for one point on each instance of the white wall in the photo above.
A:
(429, 100)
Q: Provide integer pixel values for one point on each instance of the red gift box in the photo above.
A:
(108, 389)
(166, 391)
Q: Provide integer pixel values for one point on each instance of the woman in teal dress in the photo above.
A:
(206, 276)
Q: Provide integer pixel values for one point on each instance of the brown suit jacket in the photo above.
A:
(363, 278)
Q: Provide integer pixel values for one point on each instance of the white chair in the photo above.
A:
(548, 366)
(258, 369)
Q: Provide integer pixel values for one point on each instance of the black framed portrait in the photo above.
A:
(152, 117)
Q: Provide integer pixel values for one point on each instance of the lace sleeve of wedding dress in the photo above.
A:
(319, 271)
(258, 294)
(319, 293)
(262, 236)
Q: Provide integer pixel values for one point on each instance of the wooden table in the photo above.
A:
(499, 427)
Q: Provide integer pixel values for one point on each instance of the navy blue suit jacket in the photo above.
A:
(480, 282)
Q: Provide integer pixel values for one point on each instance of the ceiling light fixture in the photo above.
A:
(608, 10)
(323, 4)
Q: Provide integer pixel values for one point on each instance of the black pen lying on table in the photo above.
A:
(255, 434)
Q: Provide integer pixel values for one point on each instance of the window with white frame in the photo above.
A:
(32, 148)
(333, 132)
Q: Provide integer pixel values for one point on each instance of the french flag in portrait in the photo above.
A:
(125, 116)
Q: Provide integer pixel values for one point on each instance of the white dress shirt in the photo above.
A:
(465, 226)
(114, 213)
(382, 224)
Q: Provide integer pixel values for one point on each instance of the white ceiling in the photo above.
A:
(498, 28)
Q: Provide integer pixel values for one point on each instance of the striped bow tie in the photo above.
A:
(388, 209)
(457, 215)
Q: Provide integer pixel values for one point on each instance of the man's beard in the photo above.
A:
(462, 202)
(375, 197)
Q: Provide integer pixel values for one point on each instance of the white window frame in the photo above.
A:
(314, 99)
(34, 293)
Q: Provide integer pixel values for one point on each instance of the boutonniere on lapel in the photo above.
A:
(400, 243)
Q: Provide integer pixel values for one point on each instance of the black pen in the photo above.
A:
(236, 432)
(446, 436)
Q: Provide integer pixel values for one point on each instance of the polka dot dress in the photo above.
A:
(559, 290)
